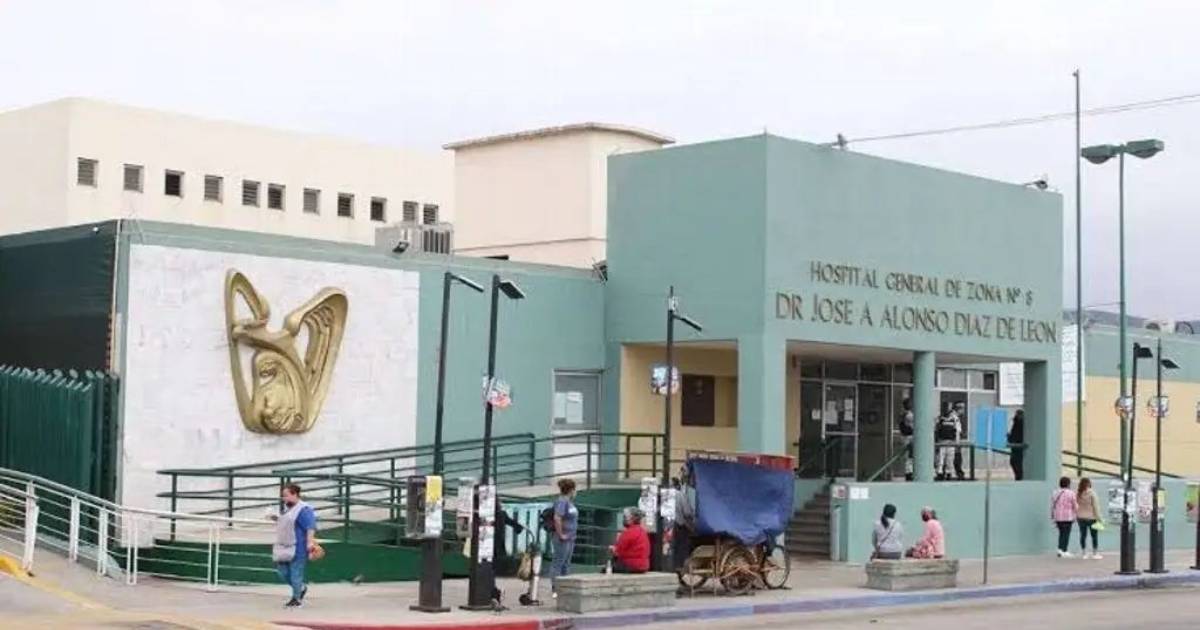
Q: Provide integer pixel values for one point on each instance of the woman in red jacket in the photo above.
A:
(631, 553)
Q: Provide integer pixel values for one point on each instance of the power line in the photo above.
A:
(1171, 101)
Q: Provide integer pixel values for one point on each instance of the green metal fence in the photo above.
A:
(61, 426)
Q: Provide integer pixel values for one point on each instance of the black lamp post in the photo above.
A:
(1158, 408)
(448, 279)
(1128, 538)
(482, 576)
(673, 314)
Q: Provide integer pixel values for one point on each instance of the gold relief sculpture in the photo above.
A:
(284, 391)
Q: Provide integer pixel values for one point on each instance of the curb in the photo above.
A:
(853, 602)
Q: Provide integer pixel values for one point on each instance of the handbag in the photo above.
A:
(1098, 526)
(316, 553)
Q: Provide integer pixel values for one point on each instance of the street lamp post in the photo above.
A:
(1099, 154)
(1128, 533)
(673, 315)
(447, 280)
(1159, 409)
(482, 580)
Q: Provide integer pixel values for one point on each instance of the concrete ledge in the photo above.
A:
(911, 575)
(591, 593)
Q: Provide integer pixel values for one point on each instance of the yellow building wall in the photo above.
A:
(642, 411)
(1102, 427)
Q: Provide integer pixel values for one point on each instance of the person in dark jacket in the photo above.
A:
(504, 564)
(1016, 445)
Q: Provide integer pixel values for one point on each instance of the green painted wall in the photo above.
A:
(1102, 355)
(1020, 518)
(845, 208)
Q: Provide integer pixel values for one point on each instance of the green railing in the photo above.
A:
(60, 426)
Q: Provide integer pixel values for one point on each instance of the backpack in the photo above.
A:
(546, 518)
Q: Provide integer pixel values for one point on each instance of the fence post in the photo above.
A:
(628, 454)
(340, 469)
(589, 463)
(130, 550)
(344, 506)
(208, 565)
(217, 558)
(73, 532)
(102, 543)
(31, 525)
(174, 505)
(532, 462)
(392, 515)
(229, 496)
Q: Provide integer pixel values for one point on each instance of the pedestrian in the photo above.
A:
(906, 431)
(947, 433)
(566, 523)
(1064, 508)
(1016, 445)
(295, 542)
(960, 415)
(932, 544)
(631, 552)
(684, 529)
(1088, 515)
(503, 564)
(887, 540)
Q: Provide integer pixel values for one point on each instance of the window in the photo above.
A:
(173, 184)
(133, 178)
(430, 214)
(410, 211)
(345, 205)
(249, 193)
(85, 172)
(576, 400)
(312, 201)
(698, 400)
(951, 379)
(214, 188)
(275, 196)
(378, 209)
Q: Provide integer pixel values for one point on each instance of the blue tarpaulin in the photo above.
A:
(747, 502)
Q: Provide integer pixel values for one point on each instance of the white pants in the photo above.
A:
(944, 460)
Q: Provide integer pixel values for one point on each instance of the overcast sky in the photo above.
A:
(423, 74)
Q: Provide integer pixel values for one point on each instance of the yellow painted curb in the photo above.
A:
(7, 565)
(11, 567)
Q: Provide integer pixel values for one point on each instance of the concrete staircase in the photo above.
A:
(808, 532)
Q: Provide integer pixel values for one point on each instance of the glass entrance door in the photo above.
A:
(812, 432)
(874, 429)
(840, 419)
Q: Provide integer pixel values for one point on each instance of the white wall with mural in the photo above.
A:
(180, 410)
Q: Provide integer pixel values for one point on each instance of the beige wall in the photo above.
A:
(34, 168)
(116, 135)
(642, 411)
(1102, 428)
(538, 199)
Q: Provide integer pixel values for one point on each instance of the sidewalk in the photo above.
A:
(814, 586)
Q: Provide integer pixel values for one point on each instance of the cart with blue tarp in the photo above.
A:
(743, 503)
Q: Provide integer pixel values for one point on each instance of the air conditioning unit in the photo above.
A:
(410, 236)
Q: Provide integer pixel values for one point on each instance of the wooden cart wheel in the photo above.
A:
(776, 567)
(692, 576)
(738, 570)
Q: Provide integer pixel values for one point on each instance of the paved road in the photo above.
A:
(1161, 609)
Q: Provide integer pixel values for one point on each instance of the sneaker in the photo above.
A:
(1097, 556)
(1059, 552)
(553, 595)
(303, 592)
(1068, 554)
(293, 603)
(1087, 555)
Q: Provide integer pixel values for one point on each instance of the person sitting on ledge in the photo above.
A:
(631, 553)
(932, 544)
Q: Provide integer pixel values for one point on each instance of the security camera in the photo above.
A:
(401, 246)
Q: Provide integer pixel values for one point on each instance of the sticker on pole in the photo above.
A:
(497, 393)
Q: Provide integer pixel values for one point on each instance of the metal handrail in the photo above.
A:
(822, 455)
(1112, 462)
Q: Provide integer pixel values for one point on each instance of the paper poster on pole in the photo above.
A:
(648, 502)
(433, 506)
(487, 542)
(1145, 500)
(1116, 501)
